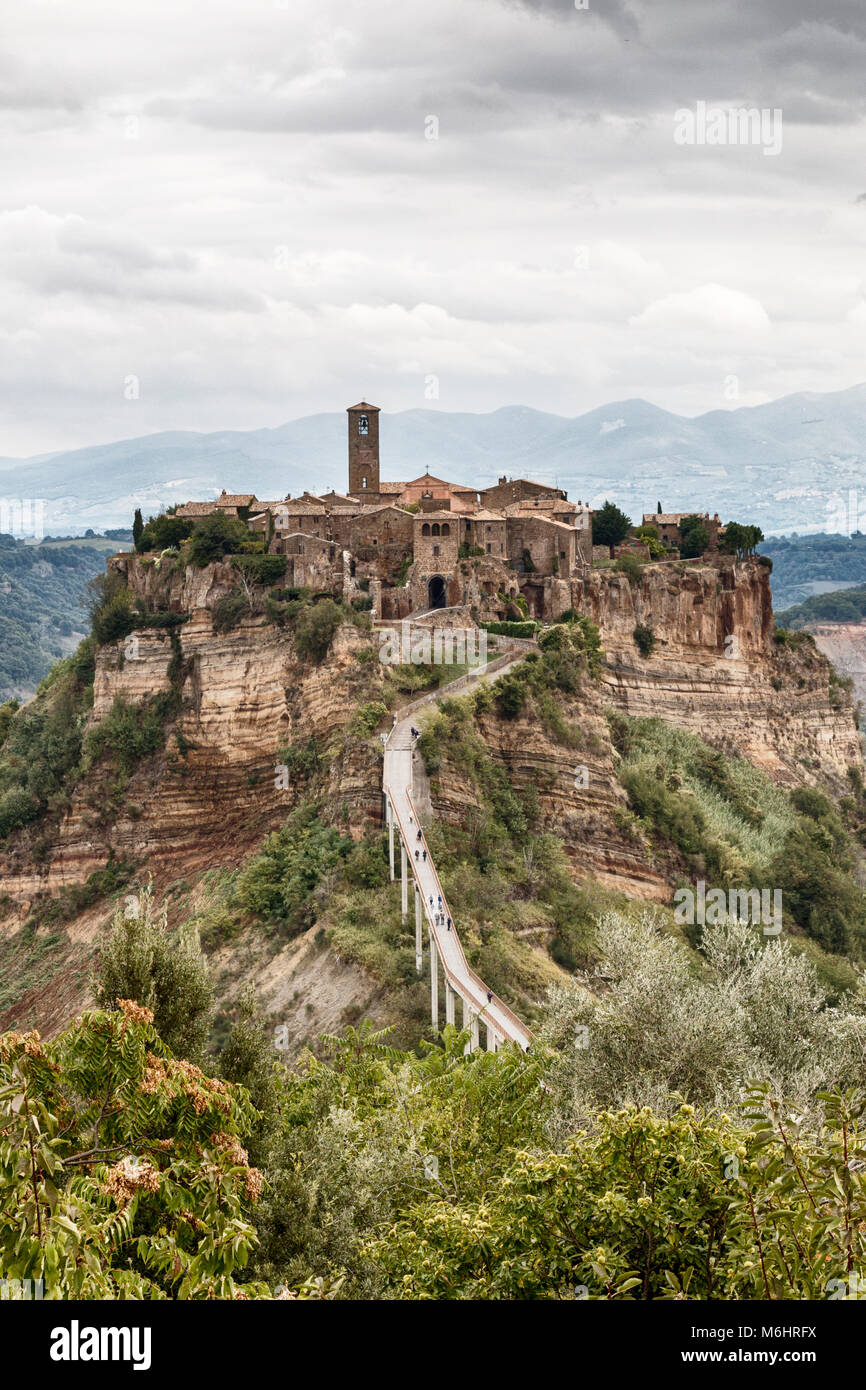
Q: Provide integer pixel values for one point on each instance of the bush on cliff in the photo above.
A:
(111, 610)
(129, 732)
(260, 569)
(315, 627)
(278, 885)
(40, 756)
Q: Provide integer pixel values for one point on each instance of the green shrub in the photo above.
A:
(160, 969)
(278, 885)
(510, 694)
(17, 808)
(629, 565)
(368, 718)
(163, 532)
(111, 612)
(230, 610)
(261, 569)
(644, 639)
(129, 732)
(510, 629)
(215, 536)
(315, 628)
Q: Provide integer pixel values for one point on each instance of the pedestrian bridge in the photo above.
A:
(480, 1006)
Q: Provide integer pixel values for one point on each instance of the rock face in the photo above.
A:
(844, 644)
(716, 670)
(208, 798)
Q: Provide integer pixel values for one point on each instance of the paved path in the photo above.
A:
(502, 1024)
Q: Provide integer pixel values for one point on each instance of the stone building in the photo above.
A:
(422, 544)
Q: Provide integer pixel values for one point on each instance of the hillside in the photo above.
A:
(809, 566)
(172, 775)
(44, 611)
(788, 465)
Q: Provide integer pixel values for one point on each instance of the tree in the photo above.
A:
(137, 528)
(740, 540)
(609, 526)
(122, 1172)
(695, 538)
(164, 532)
(315, 628)
(163, 971)
(216, 535)
(110, 607)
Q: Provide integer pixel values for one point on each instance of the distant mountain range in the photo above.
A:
(791, 465)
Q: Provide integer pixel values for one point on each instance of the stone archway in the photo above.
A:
(437, 595)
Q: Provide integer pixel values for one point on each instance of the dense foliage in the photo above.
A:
(122, 1173)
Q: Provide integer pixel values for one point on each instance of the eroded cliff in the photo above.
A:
(242, 697)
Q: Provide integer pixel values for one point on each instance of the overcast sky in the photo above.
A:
(231, 209)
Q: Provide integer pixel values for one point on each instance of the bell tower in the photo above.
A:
(363, 448)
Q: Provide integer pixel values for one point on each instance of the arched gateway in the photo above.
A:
(436, 592)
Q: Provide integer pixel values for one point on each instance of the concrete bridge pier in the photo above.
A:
(434, 983)
(449, 1003)
(390, 814)
(404, 885)
(419, 940)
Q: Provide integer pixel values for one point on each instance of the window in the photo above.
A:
(300, 549)
(562, 554)
(446, 529)
(364, 427)
(435, 528)
(425, 529)
(501, 548)
(489, 547)
(436, 550)
(363, 482)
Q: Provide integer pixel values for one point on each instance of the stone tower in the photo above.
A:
(363, 448)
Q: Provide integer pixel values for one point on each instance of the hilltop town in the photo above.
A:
(407, 544)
